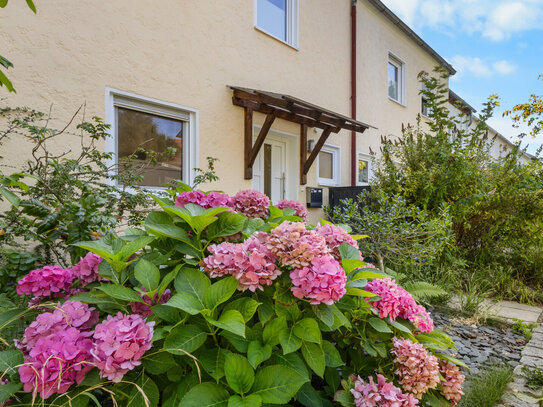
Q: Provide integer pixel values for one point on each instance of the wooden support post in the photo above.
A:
(317, 149)
(303, 153)
(248, 142)
(260, 139)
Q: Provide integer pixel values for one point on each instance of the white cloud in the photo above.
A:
(407, 9)
(495, 20)
(511, 17)
(504, 67)
(475, 66)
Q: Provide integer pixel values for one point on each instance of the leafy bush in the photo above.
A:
(208, 306)
(495, 204)
(61, 197)
(394, 230)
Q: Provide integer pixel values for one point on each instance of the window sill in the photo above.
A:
(294, 47)
(327, 183)
(397, 102)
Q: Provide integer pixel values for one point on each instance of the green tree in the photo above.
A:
(496, 203)
(529, 113)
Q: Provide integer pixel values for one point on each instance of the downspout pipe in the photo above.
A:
(353, 91)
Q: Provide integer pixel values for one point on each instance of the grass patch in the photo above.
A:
(486, 388)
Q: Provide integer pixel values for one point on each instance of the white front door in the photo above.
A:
(270, 169)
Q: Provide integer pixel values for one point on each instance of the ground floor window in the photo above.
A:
(151, 138)
(328, 165)
(364, 169)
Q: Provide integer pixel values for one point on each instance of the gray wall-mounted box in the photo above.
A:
(314, 197)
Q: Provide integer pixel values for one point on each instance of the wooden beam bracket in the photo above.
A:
(251, 151)
(303, 153)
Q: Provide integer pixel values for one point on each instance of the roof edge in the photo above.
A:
(411, 34)
(454, 96)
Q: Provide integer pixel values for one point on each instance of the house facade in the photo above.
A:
(254, 83)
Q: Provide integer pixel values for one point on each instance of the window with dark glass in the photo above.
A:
(393, 82)
(426, 110)
(142, 136)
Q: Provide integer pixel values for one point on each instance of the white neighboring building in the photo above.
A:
(498, 144)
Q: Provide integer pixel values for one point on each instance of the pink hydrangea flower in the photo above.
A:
(211, 200)
(214, 199)
(87, 269)
(56, 362)
(322, 282)
(421, 318)
(145, 309)
(335, 236)
(223, 259)
(71, 314)
(186, 197)
(251, 203)
(293, 244)
(119, 342)
(452, 386)
(397, 302)
(417, 369)
(45, 281)
(380, 394)
(250, 262)
(297, 206)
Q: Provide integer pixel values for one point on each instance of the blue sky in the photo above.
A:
(496, 46)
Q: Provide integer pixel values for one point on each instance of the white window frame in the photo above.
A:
(398, 63)
(424, 99)
(189, 116)
(292, 23)
(368, 158)
(336, 166)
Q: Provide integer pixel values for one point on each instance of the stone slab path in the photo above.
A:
(517, 393)
(504, 310)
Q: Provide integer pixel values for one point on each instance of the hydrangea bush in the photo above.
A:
(229, 302)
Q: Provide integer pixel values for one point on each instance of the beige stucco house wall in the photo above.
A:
(185, 53)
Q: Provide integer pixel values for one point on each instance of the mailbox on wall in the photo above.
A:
(314, 197)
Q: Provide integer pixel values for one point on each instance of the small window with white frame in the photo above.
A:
(364, 169)
(328, 165)
(140, 125)
(279, 19)
(425, 109)
(396, 79)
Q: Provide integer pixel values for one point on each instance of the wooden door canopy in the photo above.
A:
(275, 105)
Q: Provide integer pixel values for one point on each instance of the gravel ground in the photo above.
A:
(480, 345)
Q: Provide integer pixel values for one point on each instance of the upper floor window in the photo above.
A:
(140, 126)
(396, 75)
(278, 18)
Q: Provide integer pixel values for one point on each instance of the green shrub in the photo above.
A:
(394, 230)
(60, 197)
(216, 342)
(495, 204)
